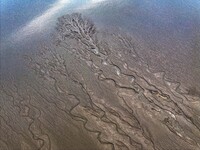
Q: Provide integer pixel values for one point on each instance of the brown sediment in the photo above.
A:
(91, 90)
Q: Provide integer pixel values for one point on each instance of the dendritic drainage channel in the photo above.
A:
(90, 90)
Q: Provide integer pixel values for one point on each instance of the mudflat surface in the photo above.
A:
(89, 89)
(117, 75)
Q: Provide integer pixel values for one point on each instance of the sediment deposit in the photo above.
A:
(90, 90)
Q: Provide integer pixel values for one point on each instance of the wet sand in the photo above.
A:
(92, 89)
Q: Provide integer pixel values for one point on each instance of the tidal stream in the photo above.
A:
(102, 75)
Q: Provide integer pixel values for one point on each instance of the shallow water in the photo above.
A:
(169, 30)
(131, 81)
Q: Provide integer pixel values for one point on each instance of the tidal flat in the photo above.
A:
(100, 75)
(90, 89)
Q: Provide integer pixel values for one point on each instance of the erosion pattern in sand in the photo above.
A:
(90, 90)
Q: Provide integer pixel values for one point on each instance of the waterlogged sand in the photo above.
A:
(91, 90)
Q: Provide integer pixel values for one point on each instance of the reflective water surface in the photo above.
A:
(110, 74)
(170, 29)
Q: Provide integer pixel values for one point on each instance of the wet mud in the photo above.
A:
(91, 90)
